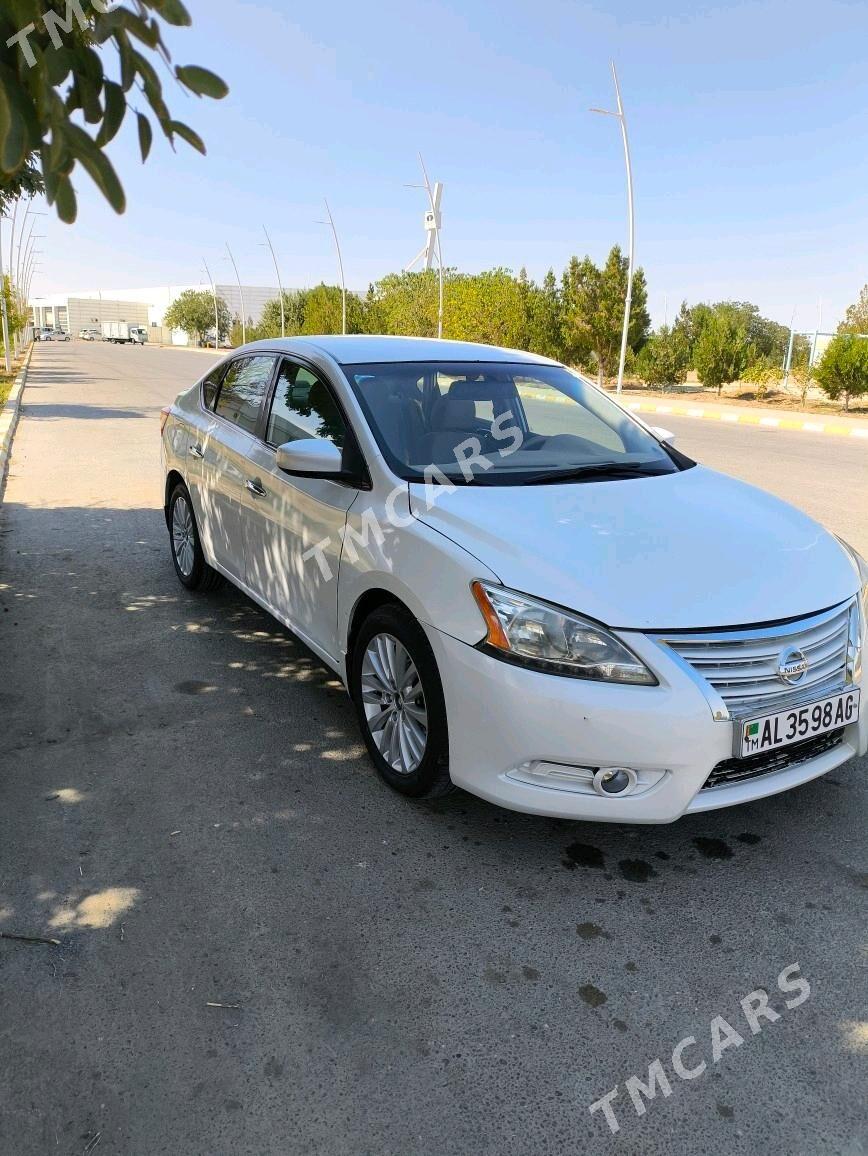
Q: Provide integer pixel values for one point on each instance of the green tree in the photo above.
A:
(27, 182)
(722, 348)
(544, 317)
(766, 339)
(294, 304)
(593, 311)
(843, 369)
(665, 357)
(53, 78)
(193, 311)
(580, 301)
(856, 317)
(691, 320)
(486, 307)
(323, 311)
(406, 303)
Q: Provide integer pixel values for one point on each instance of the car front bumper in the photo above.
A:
(530, 741)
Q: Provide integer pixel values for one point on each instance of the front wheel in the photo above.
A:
(190, 565)
(398, 696)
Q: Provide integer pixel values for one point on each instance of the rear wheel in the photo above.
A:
(190, 565)
(396, 689)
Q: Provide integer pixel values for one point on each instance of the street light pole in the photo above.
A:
(279, 283)
(21, 246)
(789, 358)
(13, 278)
(216, 315)
(631, 229)
(12, 234)
(5, 317)
(241, 295)
(331, 222)
(18, 266)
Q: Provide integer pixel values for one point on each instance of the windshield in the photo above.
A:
(502, 424)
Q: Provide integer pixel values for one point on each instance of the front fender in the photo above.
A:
(391, 550)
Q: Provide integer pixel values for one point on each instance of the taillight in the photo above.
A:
(164, 417)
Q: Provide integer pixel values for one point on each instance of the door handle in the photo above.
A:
(253, 486)
(196, 451)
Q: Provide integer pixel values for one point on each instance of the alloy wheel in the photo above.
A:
(394, 703)
(183, 540)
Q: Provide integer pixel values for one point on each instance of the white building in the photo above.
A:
(89, 308)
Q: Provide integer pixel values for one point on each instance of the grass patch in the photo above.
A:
(6, 383)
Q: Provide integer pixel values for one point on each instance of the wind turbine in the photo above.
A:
(432, 236)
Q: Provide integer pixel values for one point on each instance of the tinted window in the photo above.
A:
(303, 407)
(243, 388)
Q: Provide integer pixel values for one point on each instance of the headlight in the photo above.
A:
(862, 570)
(541, 636)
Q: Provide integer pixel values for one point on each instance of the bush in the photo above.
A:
(665, 358)
(843, 371)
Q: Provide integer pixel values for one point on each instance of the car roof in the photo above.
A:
(364, 348)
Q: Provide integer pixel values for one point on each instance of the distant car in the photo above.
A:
(43, 334)
(90, 334)
(58, 335)
(528, 592)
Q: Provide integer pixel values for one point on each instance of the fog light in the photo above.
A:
(614, 781)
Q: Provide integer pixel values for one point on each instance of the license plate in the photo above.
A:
(770, 731)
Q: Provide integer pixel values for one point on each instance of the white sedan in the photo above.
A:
(528, 592)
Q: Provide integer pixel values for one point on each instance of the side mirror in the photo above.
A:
(664, 435)
(311, 457)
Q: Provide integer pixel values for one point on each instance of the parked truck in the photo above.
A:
(121, 333)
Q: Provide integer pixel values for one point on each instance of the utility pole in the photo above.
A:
(331, 222)
(279, 283)
(622, 119)
(241, 295)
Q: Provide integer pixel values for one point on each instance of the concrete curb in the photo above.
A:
(9, 419)
(735, 415)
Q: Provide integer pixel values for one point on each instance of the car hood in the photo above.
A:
(676, 551)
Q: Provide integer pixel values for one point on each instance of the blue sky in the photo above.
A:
(748, 124)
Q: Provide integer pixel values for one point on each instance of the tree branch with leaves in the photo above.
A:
(59, 109)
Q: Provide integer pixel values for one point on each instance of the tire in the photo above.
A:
(412, 752)
(189, 561)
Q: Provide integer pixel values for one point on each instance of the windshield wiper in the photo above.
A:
(599, 471)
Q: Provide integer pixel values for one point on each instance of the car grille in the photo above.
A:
(737, 770)
(742, 665)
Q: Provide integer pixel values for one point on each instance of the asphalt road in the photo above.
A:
(185, 804)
